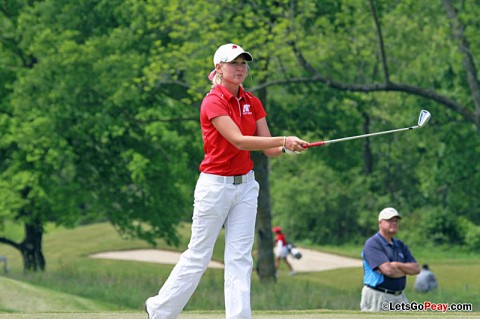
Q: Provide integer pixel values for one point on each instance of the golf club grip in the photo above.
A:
(314, 144)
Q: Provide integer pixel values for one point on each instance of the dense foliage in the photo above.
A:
(99, 112)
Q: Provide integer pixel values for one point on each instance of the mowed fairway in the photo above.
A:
(311, 314)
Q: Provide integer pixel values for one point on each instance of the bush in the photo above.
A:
(441, 226)
(472, 234)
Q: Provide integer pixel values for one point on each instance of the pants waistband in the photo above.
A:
(235, 180)
(387, 291)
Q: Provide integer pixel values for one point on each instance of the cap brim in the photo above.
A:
(248, 57)
(390, 217)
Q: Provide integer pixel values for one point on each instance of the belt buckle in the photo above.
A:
(237, 179)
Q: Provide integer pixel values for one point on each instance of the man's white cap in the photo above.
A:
(388, 213)
(229, 52)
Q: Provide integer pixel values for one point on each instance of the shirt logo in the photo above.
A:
(246, 109)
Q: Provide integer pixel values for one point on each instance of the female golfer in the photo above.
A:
(281, 250)
(233, 124)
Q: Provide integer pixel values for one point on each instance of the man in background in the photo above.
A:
(426, 280)
(386, 262)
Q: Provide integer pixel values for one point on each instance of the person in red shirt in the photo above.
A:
(281, 249)
(233, 124)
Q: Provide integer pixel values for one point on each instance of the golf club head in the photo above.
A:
(424, 117)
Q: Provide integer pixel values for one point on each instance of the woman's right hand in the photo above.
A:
(294, 144)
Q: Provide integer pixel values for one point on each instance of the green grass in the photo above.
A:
(20, 295)
(75, 283)
(317, 314)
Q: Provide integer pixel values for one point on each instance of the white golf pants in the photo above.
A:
(217, 204)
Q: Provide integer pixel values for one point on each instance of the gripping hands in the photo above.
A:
(292, 145)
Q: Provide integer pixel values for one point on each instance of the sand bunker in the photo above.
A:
(311, 260)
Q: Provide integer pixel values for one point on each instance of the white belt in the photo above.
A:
(235, 180)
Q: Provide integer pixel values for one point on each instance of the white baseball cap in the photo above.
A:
(388, 213)
(229, 52)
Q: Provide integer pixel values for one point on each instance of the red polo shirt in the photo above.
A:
(281, 237)
(221, 157)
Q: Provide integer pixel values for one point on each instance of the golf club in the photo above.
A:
(422, 120)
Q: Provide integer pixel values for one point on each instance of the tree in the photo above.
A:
(105, 146)
(413, 42)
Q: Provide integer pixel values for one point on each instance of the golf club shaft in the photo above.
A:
(321, 143)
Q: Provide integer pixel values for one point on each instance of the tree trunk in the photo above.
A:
(265, 264)
(265, 261)
(31, 247)
(367, 151)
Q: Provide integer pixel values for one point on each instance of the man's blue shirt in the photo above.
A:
(377, 251)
